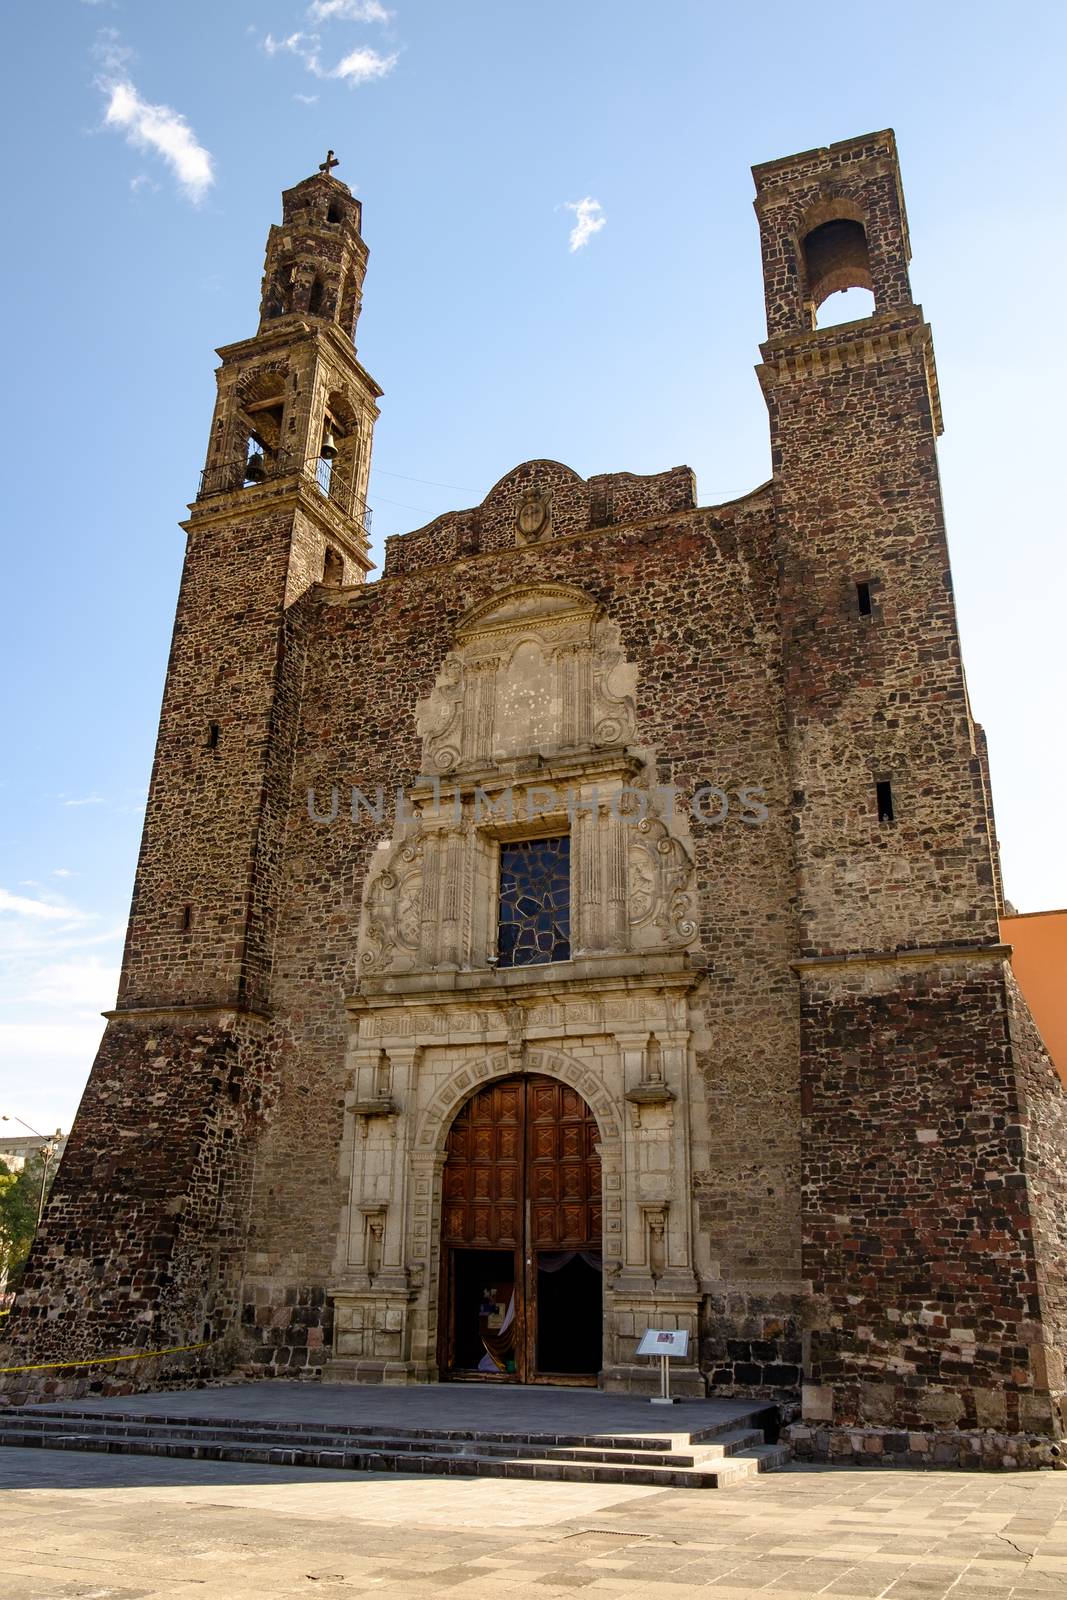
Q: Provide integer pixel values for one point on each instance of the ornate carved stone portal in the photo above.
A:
(530, 732)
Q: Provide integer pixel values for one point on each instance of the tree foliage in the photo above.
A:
(20, 1195)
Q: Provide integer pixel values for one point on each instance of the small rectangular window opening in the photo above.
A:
(884, 793)
(212, 735)
(863, 599)
(187, 919)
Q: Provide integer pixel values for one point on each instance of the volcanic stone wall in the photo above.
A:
(573, 505)
(693, 593)
(917, 1227)
(142, 1245)
(191, 938)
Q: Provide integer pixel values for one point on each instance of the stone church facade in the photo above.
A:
(590, 925)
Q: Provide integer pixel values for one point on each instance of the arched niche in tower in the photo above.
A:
(259, 413)
(338, 476)
(834, 255)
(278, 291)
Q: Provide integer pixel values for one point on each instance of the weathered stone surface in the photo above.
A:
(832, 1145)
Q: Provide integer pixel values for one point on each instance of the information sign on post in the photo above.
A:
(664, 1343)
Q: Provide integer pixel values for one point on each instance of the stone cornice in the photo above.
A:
(583, 977)
(932, 955)
(825, 351)
(290, 492)
(288, 332)
(172, 1013)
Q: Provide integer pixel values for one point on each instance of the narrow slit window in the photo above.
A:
(884, 794)
(187, 919)
(212, 735)
(863, 599)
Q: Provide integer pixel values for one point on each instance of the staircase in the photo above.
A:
(711, 1457)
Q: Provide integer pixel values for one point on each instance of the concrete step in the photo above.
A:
(294, 1436)
(126, 1420)
(650, 1439)
(707, 1471)
(713, 1456)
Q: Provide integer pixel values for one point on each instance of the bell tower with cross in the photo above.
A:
(280, 514)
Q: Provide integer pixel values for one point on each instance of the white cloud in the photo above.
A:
(86, 800)
(58, 970)
(293, 41)
(347, 11)
(307, 99)
(359, 66)
(304, 45)
(158, 128)
(63, 872)
(112, 54)
(363, 65)
(589, 219)
(22, 906)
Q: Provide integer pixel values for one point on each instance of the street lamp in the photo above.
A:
(47, 1152)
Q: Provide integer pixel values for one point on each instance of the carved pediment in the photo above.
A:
(536, 671)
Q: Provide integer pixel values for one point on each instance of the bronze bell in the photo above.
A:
(255, 469)
(329, 446)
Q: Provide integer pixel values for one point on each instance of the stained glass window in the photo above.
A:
(535, 902)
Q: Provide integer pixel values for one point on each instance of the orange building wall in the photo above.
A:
(1039, 961)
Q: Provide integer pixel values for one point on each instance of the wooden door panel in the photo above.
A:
(521, 1174)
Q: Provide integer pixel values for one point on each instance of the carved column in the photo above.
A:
(617, 845)
(431, 899)
(479, 710)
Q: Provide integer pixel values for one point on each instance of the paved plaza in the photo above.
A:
(121, 1528)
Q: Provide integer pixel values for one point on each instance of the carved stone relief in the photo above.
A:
(392, 908)
(536, 676)
(536, 672)
(533, 517)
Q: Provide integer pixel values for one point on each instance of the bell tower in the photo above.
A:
(281, 507)
(923, 1229)
(294, 405)
(158, 1170)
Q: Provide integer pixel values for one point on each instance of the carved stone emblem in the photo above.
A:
(534, 515)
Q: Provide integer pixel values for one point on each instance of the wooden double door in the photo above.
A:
(521, 1264)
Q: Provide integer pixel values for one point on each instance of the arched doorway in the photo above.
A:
(521, 1263)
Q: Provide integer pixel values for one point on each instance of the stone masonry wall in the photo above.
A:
(1043, 1107)
(918, 1239)
(199, 843)
(575, 505)
(693, 594)
(142, 1243)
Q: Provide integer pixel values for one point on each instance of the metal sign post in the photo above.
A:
(664, 1343)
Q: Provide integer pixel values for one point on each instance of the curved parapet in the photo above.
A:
(539, 501)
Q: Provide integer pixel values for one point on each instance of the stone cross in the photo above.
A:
(330, 162)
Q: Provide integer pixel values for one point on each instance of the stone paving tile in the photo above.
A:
(228, 1533)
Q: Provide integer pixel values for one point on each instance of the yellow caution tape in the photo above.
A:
(99, 1361)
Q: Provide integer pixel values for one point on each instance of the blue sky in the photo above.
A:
(148, 145)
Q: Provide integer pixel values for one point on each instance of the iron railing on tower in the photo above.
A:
(328, 478)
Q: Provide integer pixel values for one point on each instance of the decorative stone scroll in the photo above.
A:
(660, 873)
(392, 907)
